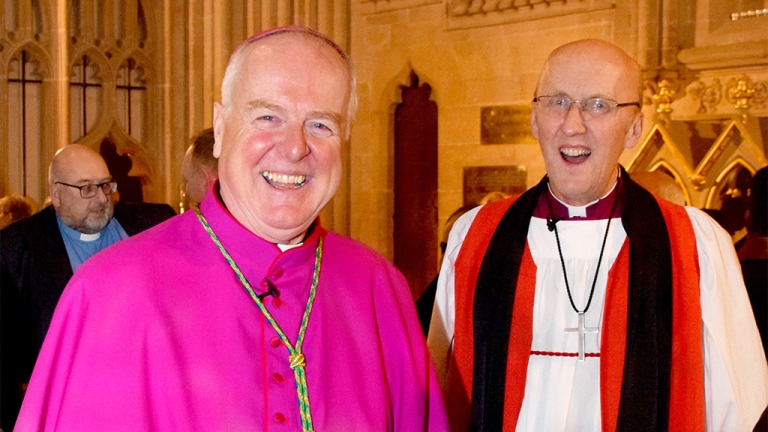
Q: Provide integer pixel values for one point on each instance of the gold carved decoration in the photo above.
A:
(739, 91)
(663, 97)
(664, 93)
(708, 96)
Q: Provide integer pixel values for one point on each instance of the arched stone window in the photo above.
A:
(131, 98)
(25, 76)
(111, 75)
(85, 95)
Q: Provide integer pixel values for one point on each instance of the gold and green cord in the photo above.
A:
(296, 359)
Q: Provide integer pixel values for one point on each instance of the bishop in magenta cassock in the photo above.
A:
(246, 314)
(158, 338)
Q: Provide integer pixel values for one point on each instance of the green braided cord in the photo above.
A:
(312, 292)
(296, 358)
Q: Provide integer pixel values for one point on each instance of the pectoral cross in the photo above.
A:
(582, 330)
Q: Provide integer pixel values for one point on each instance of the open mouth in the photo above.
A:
(575, 155)
(284, 181)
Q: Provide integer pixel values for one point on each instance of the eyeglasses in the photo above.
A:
(596, 107)
(90, 190)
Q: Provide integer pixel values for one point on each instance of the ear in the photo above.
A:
(218, 126)
(534, 124)
(210, 175)
(634, 132)
(53, 191)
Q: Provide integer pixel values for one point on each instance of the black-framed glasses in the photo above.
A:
(596, 106)
(90, 190)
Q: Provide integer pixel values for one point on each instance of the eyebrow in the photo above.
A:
(259, 103)
(327, 115)
(593, 96)
(89, 181)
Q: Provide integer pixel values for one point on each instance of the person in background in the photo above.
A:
(15, 207)
(39, 254)
(753, 254)
(426, 300)
(587, 303)
(661, 185)
(734, 212)
(246, 314)
(493, 197)
(199, 168)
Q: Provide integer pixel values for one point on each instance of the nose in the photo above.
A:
(101, 196)
(293, 144)
(573, 123)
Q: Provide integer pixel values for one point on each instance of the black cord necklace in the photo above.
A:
(581, 329)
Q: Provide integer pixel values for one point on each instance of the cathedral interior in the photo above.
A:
(445, 90)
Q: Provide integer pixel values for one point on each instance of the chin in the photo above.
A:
(288, 223)
(97, 225)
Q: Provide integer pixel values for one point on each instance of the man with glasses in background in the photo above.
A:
(39, 255)
(587, 303)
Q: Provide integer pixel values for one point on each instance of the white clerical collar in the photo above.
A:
(579, 211)
(74, 234)
(285, 247)
(90, 237)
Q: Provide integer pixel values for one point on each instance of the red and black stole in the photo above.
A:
(651, 360)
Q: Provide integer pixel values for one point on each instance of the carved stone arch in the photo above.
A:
(36, 51)
(666, 167)
(95, 54)
(132, 164)
(147, 65)
(106, 73)
(387, 101)
(728, 194)
(730, 178)
(383, 101)
(140, 57)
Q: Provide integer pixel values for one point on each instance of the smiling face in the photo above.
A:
(79, 165)
(581, 152)
(279, 134)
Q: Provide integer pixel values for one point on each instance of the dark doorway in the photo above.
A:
(415, 216)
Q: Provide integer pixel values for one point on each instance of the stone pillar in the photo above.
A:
(648, 42)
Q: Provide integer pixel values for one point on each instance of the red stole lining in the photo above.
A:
(686, 409)
(686, 399)
(459, 401)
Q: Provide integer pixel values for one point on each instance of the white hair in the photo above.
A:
(236, 60)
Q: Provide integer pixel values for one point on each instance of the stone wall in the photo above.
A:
(470, 65)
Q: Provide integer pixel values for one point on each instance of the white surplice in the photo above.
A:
(563, 393)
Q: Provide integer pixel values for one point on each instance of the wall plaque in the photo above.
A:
(483, 180)
(506, 124)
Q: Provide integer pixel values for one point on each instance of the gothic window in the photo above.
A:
(85, 96)
(25, 97)
(131, 98)
(108, 84)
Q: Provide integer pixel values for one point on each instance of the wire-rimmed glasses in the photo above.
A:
(595, 106)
